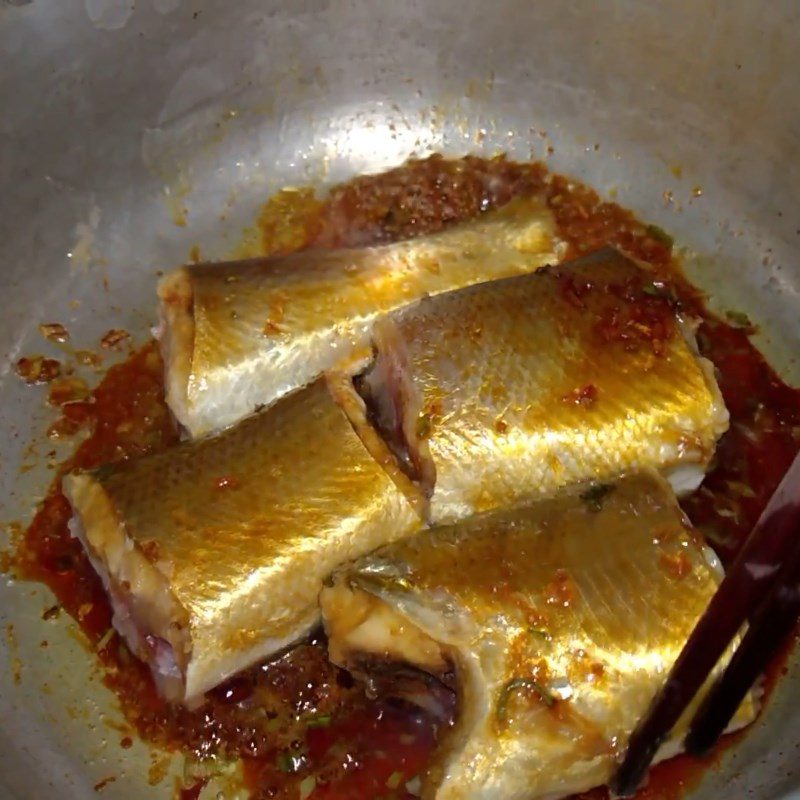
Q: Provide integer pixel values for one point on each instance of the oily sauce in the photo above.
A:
(301, 726)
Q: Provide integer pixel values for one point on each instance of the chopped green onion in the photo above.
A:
(595, 494)
(540, 633)
(393, 781)
(290, 762)
(320, 721)
(660, 235)
(424, 426)
(284, 762)
(102, 472)
(522, 683)
(739, 319)
(307, 785)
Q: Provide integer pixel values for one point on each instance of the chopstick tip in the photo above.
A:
(631, 773)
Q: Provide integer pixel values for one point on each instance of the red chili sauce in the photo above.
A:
(301, 726)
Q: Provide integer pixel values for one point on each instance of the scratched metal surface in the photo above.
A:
(119, 114)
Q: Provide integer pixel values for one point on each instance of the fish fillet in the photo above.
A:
(515, 388)
(213, 552)
(556, 622)
(237, 336)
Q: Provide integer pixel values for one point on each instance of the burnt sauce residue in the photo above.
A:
(300, 725)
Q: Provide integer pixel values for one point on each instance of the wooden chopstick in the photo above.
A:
(751, 578)
(769, 628)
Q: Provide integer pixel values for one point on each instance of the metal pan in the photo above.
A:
(121, 118)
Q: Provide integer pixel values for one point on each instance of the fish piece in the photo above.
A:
(240, 335)
(213, 552)
(518, 387)
(556, 623)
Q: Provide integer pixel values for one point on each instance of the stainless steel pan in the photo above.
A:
(115, 115)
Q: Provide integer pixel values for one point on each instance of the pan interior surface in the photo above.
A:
(133, 131)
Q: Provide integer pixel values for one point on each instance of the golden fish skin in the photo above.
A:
(519, 387)
(240, 335)
(560, 619)
(214, 551)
